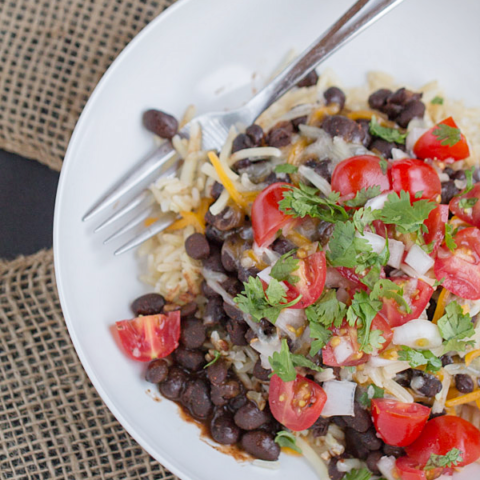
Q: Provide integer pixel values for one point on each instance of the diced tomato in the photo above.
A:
(415, 176)
(312, 272)
(350, 274)
(440, 435)
(380, 323)
(267, 219)
(461, 269)
(429, 146)
(471, 214)
(398, 423)
(417, 294)
(436, 227)
(150, 337)
(355, 173)
(296, 404)
(409, 470)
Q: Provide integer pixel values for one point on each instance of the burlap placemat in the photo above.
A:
(53, 424)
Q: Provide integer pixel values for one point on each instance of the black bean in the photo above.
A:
(267, 327)
(275, 178)
(320, 427)
(325, 230)
(214, 261)
(214, 312)
(232, 251)
(372, 461)
(378, 99)
(367, 137)
(360, 421)
(172, 387)
(192, 333)
(236, 331)
(232, 285)
(217, 372)
(229, 218)
(223, 429)
(383, 147)
(449, 190)
(464, 383)
(160, 123)
(221, 394)
(149, 304)
(393, 451)
(432, 306)
(157, 371)
(334, 95)
(192, 360)
(370, 439)
(322, 167)
(245, 273)
(237, 402)
(255, 132)
(339, 126)
(280, 135)
(458, 175)
(403, 96)
(446, 360)
(354, 446)
(250, 417)
(438, 414)
(261, 445)
(296, 122)
(281, 246)
(233, 312)
(196, 397)
(188, 309)
(246, 232)
(261, 373)
(242, 165)
(333, 472)
(413, 109)
(214, 235)
(339, 421)
(240, 142)
(392, 110)
(207, 291)
(404, 378)
(425, 384)
(309, 80)
(217, 189)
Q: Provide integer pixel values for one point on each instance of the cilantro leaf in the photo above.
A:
(287, 439)
(217, 355)
(263, 304)
(320, 335)
(455, 326)
(438, 283)
(446, 135)
(385, 288)
(363, 195)
(437, 100)
(358, 474)
(285, 168)
(467, 202)
(450, 459)
(284, 266)
(370, 393)
(327, 310)
(416, 358)
(469, 179)
(388, 134)
(409, 218)
(363, 217)
(302, 361)
(302, 201)
(384, 165)
(450, 232)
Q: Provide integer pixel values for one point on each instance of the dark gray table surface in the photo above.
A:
(27, 199)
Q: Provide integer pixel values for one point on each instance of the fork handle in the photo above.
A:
(359, 17)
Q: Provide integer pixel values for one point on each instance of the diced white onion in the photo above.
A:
(313, 458)
(265, 346)
(290, 320)
(398, 154)
(325, 376)
(266, 254)
(377, 203)
(317, 180)
(376, 361)
(397, 250)
(313, 132)
(255, 153)
(377, 242)
(419, 260)
(419, 334)
(413, 136)
(340, 398)
(265, 276)
(386, 465)
(411, 272)
(343, 350)
(347, 464)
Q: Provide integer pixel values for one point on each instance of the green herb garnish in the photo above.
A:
(387, 134)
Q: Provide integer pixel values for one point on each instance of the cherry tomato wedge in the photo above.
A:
(355, 173)
(267, 219)
(409, 470)
(417, 294)
(440, 435)
(415, 176)
(461, 269)
(462, 209)
(430, 146)
(149, 337)
(296, 404)
(398, 423)
(436, 227)
(312, 272)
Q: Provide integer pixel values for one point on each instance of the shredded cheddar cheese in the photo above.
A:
(188, 218)
(471, 356)
(150, 221)
(296, 151)
(318, 114)
(441, 304)
(368, 115)
(467, 398)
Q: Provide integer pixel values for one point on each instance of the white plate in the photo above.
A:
(206, 52)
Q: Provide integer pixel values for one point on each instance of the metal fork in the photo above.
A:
(130, 189)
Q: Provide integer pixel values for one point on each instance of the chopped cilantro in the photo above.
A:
(437, 283)
(384, 165)
(385, 288)
(469, 179)
(259, 303)
(371, 392)
(450, 232)
(467, 202)
(358, 474)
(320, 335)
(416, 358)
(217, 355)
(446, 135)
(450, 459)
(362, 218)
(363, 195)
(327, 310)
(287, 439)
(283, 268)
(285, 168)
(388, 134)
(455, 326)
(437, 100)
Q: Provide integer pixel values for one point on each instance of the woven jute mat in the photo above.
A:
(53, 424)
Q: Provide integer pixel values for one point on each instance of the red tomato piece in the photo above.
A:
(417, 294)
(267, 219)
(429, 146)
(149, 337)
(398, 423)
(461, 269)
(440, 435)
(470, 215)
(312, 273)
(415, 176)
(409, 470)
(355, 173)
(350, 274)
(436, 227)
(296, 404)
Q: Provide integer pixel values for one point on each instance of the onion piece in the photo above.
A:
(340, 398)
(317, 180)
(419, 260)
(387, 467)
(412, 137)
(411, 272)
(419, 334)
(377, 203)
(291, 320)
(255, 153)
(266, 254)
(377, 242)
(343, 350)
(347, 464)
(265, 346)
(398, 154)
